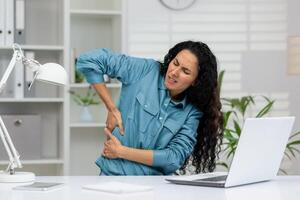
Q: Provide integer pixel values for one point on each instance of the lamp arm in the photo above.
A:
(3, 138)
(14, 157)
(12, 153)
(8, 70)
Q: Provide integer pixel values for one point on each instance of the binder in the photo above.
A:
(28, 72)
(2, 22)
(28, 78)
(9, 22)
(19, 21)
(19, 80)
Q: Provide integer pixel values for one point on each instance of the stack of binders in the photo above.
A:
(12, 30)
(12, 22)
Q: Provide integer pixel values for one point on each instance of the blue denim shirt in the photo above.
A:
(151, 119)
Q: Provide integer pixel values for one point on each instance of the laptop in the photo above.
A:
(257, 157)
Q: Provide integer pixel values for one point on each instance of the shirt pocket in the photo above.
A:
(171, 126)
(169, 130)
(144, 112)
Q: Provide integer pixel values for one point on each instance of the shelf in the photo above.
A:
(37, 162)
(86, 85)
(36, 47)
(33, 100)
(95, 12)
(87, 125)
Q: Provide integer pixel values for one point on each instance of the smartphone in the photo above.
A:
(39, 186)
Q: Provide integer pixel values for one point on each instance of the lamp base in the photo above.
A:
(18, 177)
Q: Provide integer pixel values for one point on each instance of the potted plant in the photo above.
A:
(85, 101)
(79, 77)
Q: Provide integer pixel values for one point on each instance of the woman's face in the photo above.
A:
(182, 72)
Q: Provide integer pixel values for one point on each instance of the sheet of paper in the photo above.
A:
(117, 187)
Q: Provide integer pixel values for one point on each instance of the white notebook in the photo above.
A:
(117, 187)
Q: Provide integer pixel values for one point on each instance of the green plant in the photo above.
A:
(291, 150)
(85, 100)
(235, 111)
(79, 77)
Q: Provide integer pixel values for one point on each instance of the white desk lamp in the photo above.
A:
(51, 73)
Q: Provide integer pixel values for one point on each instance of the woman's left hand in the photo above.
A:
(112, 147)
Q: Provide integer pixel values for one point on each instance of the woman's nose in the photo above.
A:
(175, 72)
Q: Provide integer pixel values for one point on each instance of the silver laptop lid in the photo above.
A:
(260, 150)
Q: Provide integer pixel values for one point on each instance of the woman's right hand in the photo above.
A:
(114, 118)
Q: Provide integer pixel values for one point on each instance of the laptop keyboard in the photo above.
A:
(216, 178)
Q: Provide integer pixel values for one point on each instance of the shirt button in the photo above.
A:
(166, 104)
(160, 118)
(146, 105)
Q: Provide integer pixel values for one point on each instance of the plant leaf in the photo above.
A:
(265, 109)
(237, 128)
(296, 142)
(295, 134)
(223, 164)
(283, 171)
(232, 151)
(220, 81)
(287, 155)
(291, 151)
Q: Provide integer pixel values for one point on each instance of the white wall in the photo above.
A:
(247, 36)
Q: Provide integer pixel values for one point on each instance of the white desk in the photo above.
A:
(287, 188)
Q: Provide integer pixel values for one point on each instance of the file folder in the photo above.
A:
(28, 72)
(28, 76)
(9, 24)
(19, 80)
(20, 22)
(2, 22)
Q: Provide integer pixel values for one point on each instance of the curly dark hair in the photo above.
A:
(205, 96)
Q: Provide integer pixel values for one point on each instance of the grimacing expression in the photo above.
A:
(182, 72)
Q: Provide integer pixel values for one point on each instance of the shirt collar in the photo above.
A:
(180, 104)
(162, 86)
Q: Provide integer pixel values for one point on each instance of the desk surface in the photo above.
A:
(285, 187)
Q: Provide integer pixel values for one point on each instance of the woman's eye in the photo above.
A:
(186, 72)
(176, 63)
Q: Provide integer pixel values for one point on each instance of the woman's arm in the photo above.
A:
(94, 64)
(114, 117)
(114, 149)
(167, 160)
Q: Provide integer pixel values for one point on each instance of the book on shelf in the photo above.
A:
(29, 74)
(19, 80)
(9, 22)
(19, 36)
(2, 22)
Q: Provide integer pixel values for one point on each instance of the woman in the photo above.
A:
(170, 110)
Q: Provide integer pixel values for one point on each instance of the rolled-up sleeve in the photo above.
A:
(179, 148)
(94, 64)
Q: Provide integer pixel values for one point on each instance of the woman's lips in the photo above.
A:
(171, 80)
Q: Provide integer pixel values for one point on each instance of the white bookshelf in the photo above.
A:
(86, 85)
(100, 23)
(109, 13)
(36, 47)
(38, 162)
(87, 125)
(32, 100)
(44, 36)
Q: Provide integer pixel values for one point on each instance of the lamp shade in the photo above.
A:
(52, 73)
